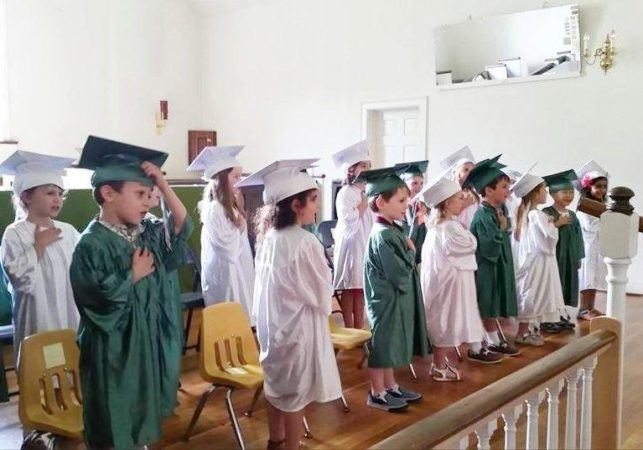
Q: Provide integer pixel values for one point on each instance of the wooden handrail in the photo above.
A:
(437, 428)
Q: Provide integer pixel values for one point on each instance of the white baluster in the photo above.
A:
(532, 421)
(464, 443)
(484, 433)
(510, 417)
(553, 391)
(586, 405)
(570, 419)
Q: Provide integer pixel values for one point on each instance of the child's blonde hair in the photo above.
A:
(527, 204)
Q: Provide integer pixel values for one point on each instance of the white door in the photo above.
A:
(400, 139)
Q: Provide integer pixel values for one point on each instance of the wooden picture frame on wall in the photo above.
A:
(197, 139)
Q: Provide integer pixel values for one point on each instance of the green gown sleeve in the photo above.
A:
(102, 294)
(490, 237)
(397, 258)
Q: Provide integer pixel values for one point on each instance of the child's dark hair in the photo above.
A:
(586, 192)
(116, 185)
(277, 216)
(494, 183)
(350, 175)
(386, 196)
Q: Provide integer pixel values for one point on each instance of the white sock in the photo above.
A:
(493, 337)
(476, 347)
(395, 388)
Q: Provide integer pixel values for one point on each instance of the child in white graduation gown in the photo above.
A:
(37, 250)
(448, 282)
(538, 287)
(459, 164)
(227, 268)
(354, 223)
(593, 184)
(292, 302)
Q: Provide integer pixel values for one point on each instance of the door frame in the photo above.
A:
(370, 109)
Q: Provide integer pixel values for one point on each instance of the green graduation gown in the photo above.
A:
(569, 252)
(393, 299)
(495, 278)
(129, 353)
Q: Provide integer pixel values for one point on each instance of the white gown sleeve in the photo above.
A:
(545, 232)
(314, 276)
(348, 201)
(458, 241)
(225, 236)
(19, 262)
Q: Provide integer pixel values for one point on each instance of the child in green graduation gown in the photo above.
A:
(570, 249)
(121, 278)
(495, 278)
(393, 295)
(416, 213)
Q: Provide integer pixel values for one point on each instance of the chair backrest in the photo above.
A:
(49, 383)
(324, 231)
(193, 261)
(226, 339)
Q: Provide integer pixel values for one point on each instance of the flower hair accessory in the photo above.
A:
(586, 181)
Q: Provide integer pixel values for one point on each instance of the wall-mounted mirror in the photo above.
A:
(526, 46)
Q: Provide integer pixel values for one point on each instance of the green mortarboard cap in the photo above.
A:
(379, 181)
(416, 168)
(117, 161)
(561, 181)
(484, 173)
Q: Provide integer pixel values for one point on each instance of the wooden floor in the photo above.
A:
(363, 426)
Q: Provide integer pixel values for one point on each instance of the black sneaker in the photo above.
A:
(388, 403)
(550, 328)
(401, 393)
(505, 348)
(566, 323)
(484, 356)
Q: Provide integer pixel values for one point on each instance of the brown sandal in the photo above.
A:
(596, 313)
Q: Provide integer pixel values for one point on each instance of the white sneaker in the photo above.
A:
(530, 338)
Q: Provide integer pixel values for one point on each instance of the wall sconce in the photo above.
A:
(606, 53)
(161, 117)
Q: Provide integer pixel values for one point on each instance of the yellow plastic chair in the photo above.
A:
(48, 378)
(347, 339)
(228, 358)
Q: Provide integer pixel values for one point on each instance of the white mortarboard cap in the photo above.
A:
(282, 179)
(458, 158)
(590, 171)
(438, 190)
(34, 169)
(352, 155)
(526, 183)
(213, 160)
(513, 175)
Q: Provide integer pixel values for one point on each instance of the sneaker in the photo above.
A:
(504, 348)
(484, 356)
(530, 338)
(447, 374)
(551, 327)
(566, 323)
(402, 393)
(387, 403)
(584, 314)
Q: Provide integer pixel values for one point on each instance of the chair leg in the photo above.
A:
(364, 356)
(233, 418)
(307, 433)
(254, 401)
(187, 329)
(413, 374)
(197, 411)
(345, 403)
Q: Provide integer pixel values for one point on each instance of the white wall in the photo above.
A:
(288, 77)
(80, 67)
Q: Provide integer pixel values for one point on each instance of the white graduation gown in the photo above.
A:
(351, 236)
(466, 216)
(227, 269)
(292, 303)
(449, 287)
(538, 288)
(43, 299)
(593, 270)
